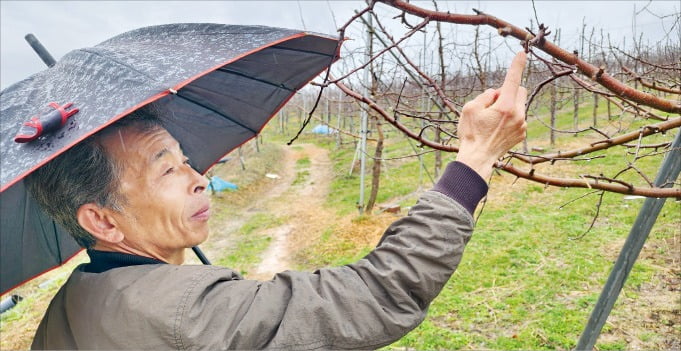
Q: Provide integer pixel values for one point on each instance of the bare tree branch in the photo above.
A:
(505, 29)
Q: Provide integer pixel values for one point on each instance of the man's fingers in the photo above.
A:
(521, 97)
(509, 90)
(487, 98)
(520, 102)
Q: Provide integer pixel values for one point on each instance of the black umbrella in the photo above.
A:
(216, 85)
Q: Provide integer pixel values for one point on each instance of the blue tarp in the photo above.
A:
(322, 129)
(219, 184)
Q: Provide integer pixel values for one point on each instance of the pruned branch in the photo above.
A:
(590, 184)
(605, 143)
(646, 84)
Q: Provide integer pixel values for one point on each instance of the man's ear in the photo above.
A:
(98, 222)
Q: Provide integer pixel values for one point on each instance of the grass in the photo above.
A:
(400, 177)
(303, 162)
(343, 243)
(18, 325)
(302, 170)
(250, 243)
(251, 177)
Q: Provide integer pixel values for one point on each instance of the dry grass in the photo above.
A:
(18, 325)
(347, 237)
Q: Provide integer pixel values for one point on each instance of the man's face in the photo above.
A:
(166, 208)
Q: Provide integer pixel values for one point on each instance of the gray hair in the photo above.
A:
(85, 173)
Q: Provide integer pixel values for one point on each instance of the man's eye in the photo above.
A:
(169, 171)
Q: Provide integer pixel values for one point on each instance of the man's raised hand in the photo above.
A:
(493, 122)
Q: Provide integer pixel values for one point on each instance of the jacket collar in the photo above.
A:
(102, 261)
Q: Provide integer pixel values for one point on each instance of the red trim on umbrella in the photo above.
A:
(42, 273)
(157, 97)
(214, 68)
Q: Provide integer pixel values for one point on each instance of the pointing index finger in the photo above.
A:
(509, 90)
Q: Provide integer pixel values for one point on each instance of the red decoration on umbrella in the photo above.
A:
(45, 122)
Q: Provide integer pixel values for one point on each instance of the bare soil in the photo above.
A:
(301, 204)
(296, 195)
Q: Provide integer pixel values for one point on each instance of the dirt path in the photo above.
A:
(296, 196)
(301, 204)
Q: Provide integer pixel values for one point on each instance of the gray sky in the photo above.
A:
(66, 25)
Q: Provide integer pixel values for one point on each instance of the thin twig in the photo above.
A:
(598, 210)
(542, 84)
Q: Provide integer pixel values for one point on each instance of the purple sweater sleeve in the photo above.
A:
(463, 185)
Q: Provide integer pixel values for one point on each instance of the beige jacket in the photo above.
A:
(363, 305)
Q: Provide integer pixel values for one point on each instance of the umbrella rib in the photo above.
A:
(305, 51)
(56, 238)
(282, 86)
(42, 227)
(217, 112)
(92, 52)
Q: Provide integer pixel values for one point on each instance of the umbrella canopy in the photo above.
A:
(216, 87)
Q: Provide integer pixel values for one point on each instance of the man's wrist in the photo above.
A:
(481, 165)
(462, 184)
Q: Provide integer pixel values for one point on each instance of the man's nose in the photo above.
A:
(200, 182)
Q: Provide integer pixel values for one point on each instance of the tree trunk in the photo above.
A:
(376, 169)
(528, 75)
(480, 71)
(553, 113)
(328, 113)
(241, 160)
(595, 110)
(575, 111)
(609, 113)
(443, 86)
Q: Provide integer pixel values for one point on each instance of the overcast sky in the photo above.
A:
(66, 25)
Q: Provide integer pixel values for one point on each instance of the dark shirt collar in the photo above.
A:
(102, 261)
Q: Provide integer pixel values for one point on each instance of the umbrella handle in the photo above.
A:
(200, 255)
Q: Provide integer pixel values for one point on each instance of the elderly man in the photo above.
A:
(129, 195)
